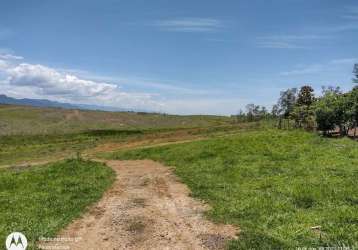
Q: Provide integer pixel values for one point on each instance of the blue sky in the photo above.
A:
(183, 57)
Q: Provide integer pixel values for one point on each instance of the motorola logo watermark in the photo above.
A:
(16, 241)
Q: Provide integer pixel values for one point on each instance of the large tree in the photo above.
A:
(325, 113)
(287, 102)
(255, 112)
(305, 96)
(352, 106)
(275, 111)
(302, 112)
(332, 110)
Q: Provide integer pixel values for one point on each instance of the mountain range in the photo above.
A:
(4, 99)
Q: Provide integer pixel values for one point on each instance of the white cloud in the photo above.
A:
(321, 67)
(294, 37)
(287, 41)
(278, 45)
(7, 59)
(49, 81)
(350, 61)
(23, 79)
(6, 56)
(3, 65)
(310, 69)
(189, 24)
(315, 33)
(341, 28)
(158, 85)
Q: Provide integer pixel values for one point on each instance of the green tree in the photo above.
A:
(287, 102)
(275, 111)
(305, 96)
(303, 114)
(240, 117)
(331, 89)
(250, 112)
(352, 99)
(333, 110)
(255, 112)
(325, 113)
(343, 114)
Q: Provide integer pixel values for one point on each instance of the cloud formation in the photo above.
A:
(6, 56)
(189, 24)
(310, 69)
(287, 41)
(51, 82)
(43, 81)
(348, 23)
(321, 67)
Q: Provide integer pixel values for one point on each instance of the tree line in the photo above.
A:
(334, 110)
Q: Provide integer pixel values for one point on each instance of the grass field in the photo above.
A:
(284, 189)
(22, 149)
(16, 149)
(25, 120)
(39, 201)
(49, 134)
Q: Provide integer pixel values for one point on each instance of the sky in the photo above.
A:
(177, 56)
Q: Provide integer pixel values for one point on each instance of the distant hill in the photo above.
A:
(53, 104)
(27, 120)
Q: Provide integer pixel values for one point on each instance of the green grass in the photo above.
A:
(25, 120)
(29, 134)
(17, 149)
(275, 185)
(39, 201)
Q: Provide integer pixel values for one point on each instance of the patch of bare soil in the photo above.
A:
(146, 208)
(27, 164)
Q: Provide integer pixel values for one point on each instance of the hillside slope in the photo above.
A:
(31, 120)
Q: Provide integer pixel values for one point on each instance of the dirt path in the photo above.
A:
(146, 208)
(109, 147)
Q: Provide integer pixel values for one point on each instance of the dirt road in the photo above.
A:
(146, 208)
